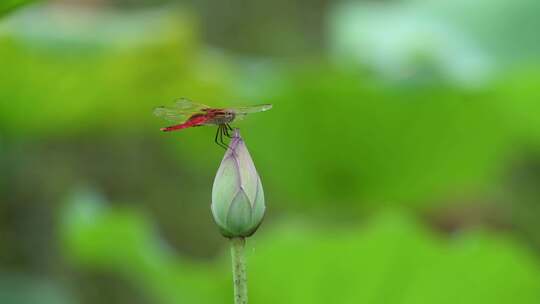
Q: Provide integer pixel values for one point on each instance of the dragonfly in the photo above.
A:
(187, 114)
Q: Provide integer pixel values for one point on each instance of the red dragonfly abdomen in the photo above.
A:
(193, 121)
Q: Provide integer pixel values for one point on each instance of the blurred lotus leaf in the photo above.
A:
(7, 6)
(392, 259)
(18, 288)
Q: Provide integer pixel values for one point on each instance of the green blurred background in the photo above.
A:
(401, 160)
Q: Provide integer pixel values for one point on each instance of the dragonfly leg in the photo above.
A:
(221, 135)
(218, 136)
(224, 132)
(227, 128)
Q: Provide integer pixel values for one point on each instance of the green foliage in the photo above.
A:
(7, 6)
(17, 288)
(392, 259)
(125, 242)
(347, 138)
(481, 21)
(96, 87)
(75, 107)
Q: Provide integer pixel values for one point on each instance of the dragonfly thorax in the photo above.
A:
(220, 117)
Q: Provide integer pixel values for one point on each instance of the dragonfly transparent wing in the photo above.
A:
(251, 109)
(180, 111)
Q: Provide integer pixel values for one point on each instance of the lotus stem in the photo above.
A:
(239, 270)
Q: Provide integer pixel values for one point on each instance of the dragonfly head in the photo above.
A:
(229, 115)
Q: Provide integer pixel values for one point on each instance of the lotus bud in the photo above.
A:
(237, 194)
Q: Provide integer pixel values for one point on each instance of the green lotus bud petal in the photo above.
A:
(237, 195)
(239, 216)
